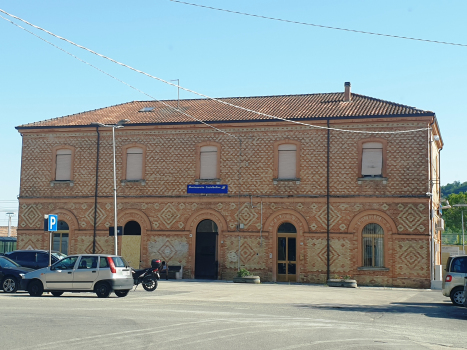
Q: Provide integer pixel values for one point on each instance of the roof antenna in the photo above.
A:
(178, 92)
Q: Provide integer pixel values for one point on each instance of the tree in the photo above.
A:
(453, 217)
(455, 187)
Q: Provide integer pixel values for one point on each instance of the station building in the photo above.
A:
(343, 192)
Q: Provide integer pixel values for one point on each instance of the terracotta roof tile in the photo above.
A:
(309, 106)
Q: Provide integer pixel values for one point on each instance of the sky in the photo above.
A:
(223, 54)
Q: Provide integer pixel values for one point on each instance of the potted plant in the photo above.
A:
(245, 276)
(342, 281)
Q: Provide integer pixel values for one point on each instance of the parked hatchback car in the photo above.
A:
(98, 273)
(34, 259)
(453, 283)
(11, 274)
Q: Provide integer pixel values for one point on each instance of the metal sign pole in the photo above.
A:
(50, 248)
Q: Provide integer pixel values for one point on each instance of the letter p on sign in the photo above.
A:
(53, 223)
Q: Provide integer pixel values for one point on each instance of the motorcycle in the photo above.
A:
(147, 277)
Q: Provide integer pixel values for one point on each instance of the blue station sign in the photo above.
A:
(207, 188)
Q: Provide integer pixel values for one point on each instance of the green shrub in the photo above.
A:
(243, 273)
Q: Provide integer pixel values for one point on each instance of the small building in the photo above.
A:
(350, 188)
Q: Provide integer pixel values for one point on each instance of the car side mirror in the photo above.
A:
(52, 268)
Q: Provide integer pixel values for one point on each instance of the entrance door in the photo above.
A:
(206, 262)
(286, 253)
(131, 244)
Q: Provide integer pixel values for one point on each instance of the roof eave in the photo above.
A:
(423, 114)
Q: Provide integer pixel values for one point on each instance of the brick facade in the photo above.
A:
(168, 216)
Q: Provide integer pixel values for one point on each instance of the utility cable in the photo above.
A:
(205, 96)
(121, 81)
(320, 26)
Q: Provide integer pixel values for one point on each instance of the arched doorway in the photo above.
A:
(286, 253)
(206, 261)
(131, 243)
(61, 237)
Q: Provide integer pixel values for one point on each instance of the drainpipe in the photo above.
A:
(328, 267)
(95, 194)
(430, 190)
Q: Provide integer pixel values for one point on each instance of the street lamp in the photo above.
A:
(118, 125)
(462, 206)
(9, 223)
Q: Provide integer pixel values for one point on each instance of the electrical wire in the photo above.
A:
(121, 81)
(321, 26)
(206, 96)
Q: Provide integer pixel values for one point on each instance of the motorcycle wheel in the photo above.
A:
(149, 284)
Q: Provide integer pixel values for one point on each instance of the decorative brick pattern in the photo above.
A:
(168, 216)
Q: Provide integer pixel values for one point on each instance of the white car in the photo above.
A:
(453, 283)
(98, 273)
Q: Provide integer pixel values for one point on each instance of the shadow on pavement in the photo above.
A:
(436, 310)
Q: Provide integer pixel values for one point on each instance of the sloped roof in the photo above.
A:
(298, 107)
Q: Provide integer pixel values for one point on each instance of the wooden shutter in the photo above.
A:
(208, 162)
(63, 165)
(372, 159)
(287, 161)
(134, 163)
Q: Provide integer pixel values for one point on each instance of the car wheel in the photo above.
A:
(102, 290)
(457, 296)
(57, 294)
(9, 284)
(35, 288)
(121, 293)
(149, 284)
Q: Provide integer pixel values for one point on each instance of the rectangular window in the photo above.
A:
(134, 163)
(373, 246)
(208, 162)
(287, 161)
(372, 159)
(60, 242)
(63, 165)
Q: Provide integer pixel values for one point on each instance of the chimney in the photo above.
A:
(347, 94)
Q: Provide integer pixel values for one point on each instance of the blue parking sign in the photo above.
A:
(52, 223)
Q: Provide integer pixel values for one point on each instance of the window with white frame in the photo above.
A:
(208, 162)
(134, 163)
(287, 162)
(373, 245)
(372, 159)
(63, 165)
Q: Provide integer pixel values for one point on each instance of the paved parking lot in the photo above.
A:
(224, 315)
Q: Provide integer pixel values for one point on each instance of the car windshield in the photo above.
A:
(5, 262)
(59, 255)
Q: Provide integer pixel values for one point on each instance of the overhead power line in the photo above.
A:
(320, 25)
(121, 81)
(200, 94)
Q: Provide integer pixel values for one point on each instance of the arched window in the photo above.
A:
(287, 161)
(207, 226)
(208, 162)
(61, 237)
(286, 227)
(373, 245)
(372, 159)
(134, 163)
(132, 228)
(63, 163)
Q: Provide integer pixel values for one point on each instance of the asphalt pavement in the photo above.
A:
(187, 314)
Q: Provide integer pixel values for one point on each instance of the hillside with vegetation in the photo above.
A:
(456, 187)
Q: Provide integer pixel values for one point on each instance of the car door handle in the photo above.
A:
(69, 273)
(94, 272)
